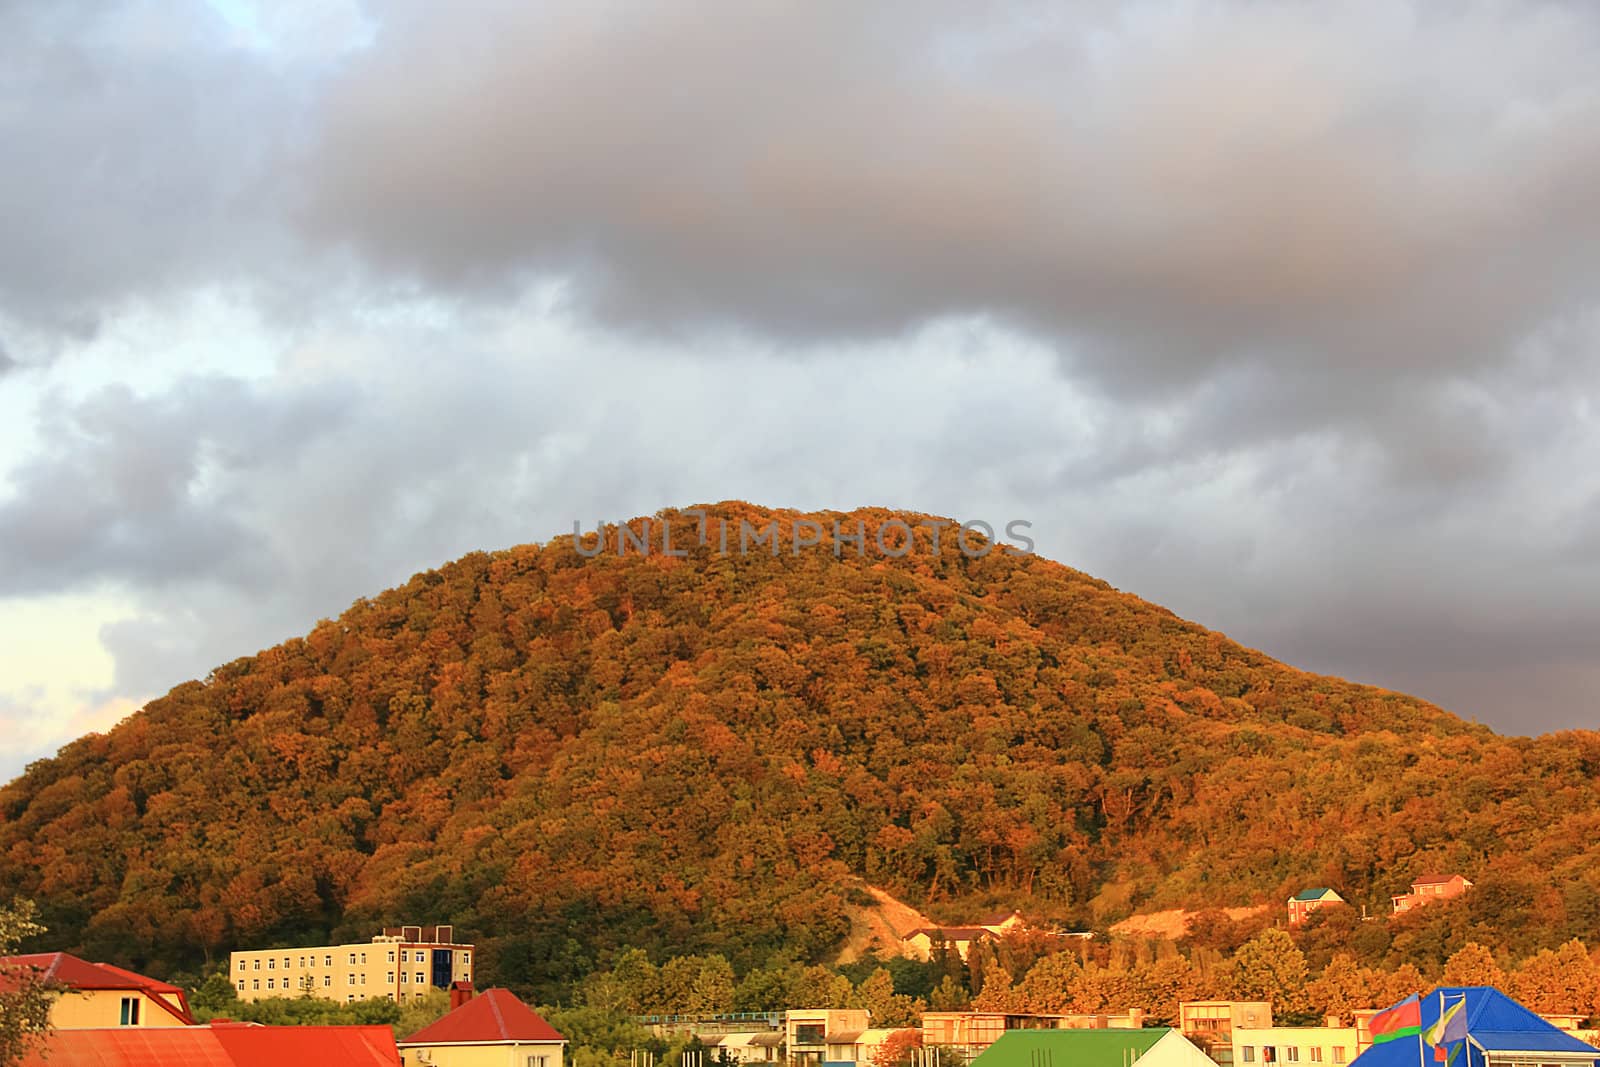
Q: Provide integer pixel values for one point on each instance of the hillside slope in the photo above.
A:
(565, 755)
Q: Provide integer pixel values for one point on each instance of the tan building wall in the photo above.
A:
(91, 1009)
(498, 1054)
(1210, 1024)
(378, 969)
(1324, 1046)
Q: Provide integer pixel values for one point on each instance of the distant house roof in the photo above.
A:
(951, 933)
(493, 1017)
(217, 1045)
(1495, 1023)
(64, 970)
(1436, 879)
(1318, 893)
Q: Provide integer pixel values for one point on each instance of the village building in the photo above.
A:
(1429, 888)
(1153, 1047)
(490, 1030)
(919, 944)
(973, 1032)
(404, 963)
(99, 995)
(1303, 903)
(824, 1035)
(1331, 1045)
(1499, 1032)
(1210, 1024)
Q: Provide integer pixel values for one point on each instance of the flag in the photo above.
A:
(1451, 1026)
(1402, 1020)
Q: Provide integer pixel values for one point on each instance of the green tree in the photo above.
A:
(1472, 964)
(1270, 967)
(24, 1002)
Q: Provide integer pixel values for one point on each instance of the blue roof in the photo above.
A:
(1494, 1022)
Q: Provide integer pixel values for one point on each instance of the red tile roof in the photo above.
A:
(1434, 879)
(65, 970)
(493, 1016)
(221, 1045)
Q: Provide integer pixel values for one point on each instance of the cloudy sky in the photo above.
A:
(1282, 315)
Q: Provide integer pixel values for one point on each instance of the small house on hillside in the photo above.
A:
(1303, 903)
(1429, 888)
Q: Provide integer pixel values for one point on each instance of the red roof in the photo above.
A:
(62, 969)
(1436, 879)
(221, 1045)
(493, 1016)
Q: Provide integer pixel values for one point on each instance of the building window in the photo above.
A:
(420, 978)
(286, 963)
(270, 982)
(302, 961)
(241, 965)
(402, 978)
(327, 980)
(538, 1061)
(388, 978)
(403, 958)
(1291, 1054)
(391, 955)
(241, 985)
(363, 957)
(390, 994)
(272, 964)
(130, 1011)
(349, 998)
(1249, 1054)
(466, 957)
(1316, 1055)
(327, 961)
(363, 977)
(349, 979)
(255, 983)
(352, 957)
(257, 963)
(1338, 1054)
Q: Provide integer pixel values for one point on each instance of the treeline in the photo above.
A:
(565, 757)
(1030, 974)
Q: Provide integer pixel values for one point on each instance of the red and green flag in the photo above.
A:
(1402, 1020)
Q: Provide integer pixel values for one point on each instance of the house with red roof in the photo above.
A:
(1429, 888)
(91, 995)
(492, 1029)
(221, 1044)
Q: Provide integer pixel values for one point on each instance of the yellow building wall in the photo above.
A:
(364, 971)
(94, 1008)
(507, 1055)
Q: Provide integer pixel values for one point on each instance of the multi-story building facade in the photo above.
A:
(972, 1032)
(1210, 1024)
(403, 963)
(1322, 1046)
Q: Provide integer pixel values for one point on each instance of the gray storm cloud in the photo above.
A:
(1408, 194)
(1283, 316)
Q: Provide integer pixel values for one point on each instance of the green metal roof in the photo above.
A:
(1069, 1048)
(1313, 894)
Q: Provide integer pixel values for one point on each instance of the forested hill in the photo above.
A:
(563, 755)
